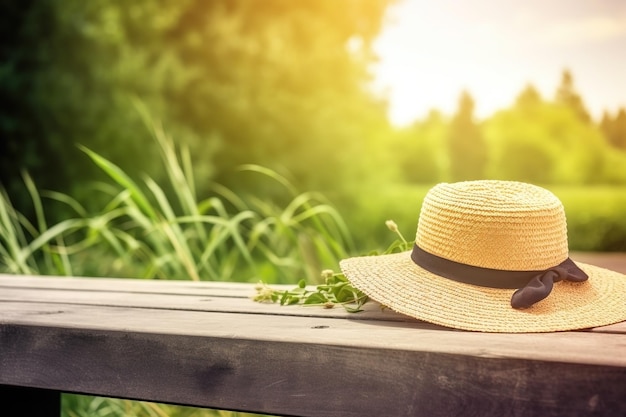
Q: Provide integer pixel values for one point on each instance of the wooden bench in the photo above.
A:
(208, 345)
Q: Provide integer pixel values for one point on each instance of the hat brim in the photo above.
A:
(395, 281)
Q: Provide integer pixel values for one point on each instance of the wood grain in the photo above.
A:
(208, 345)
(308, 379)
(615, 261)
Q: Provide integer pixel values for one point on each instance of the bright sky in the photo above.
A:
(431, 50)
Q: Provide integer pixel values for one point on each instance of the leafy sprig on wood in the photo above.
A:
(336, 290)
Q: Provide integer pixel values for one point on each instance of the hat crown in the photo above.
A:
(494, 224)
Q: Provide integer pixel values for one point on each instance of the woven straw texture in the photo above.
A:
(498, 225)
(494, 224)
(396, 282)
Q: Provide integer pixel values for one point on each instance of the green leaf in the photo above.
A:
(316, 298)
(123, 180)
(293, 300)
(353, 309)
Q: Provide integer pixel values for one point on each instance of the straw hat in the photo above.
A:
(492, 256)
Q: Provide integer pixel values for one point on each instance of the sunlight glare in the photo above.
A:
(431, 51)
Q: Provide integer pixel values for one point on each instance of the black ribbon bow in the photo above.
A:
(532, 286)
(540, 286)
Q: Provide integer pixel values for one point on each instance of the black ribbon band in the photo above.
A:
(533, 286)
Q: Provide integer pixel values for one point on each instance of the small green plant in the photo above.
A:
(336, 289)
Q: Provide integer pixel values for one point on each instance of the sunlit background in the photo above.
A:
(369, 103)
(247, 140)
(430, 51)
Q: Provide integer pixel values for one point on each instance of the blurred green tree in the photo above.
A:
(614, 128)
(618, 138)
(519, 150)
(279, 83)
(567, 95)
(529, 99)
(466, 146)
(544, 142)
(418, 149)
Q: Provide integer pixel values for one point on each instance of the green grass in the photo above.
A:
(145, 231)
(88, 406)
(27, 247)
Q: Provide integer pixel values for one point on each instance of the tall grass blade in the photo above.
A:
(61, 258)
(67, 200)
(173, 232)
(122, 179)
(43, 239)
(271, 174)
(40, 218)
(12, 239)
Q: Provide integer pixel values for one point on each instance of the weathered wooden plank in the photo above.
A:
(304, 366)
(611, 328)
(571, 347)
(170, 344)
(225, 289)
(208, 303)
(227, 297)
(615, 261)
(372, 311)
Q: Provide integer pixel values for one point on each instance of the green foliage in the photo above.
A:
(544, 142)
(418, 152)
(336, 289)
(276, 83)
(614, 128)
(86, 406)
(29, 248)
(466, 146)
(595, 217)
(566, 95)
(535, 140)
(145, 232)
